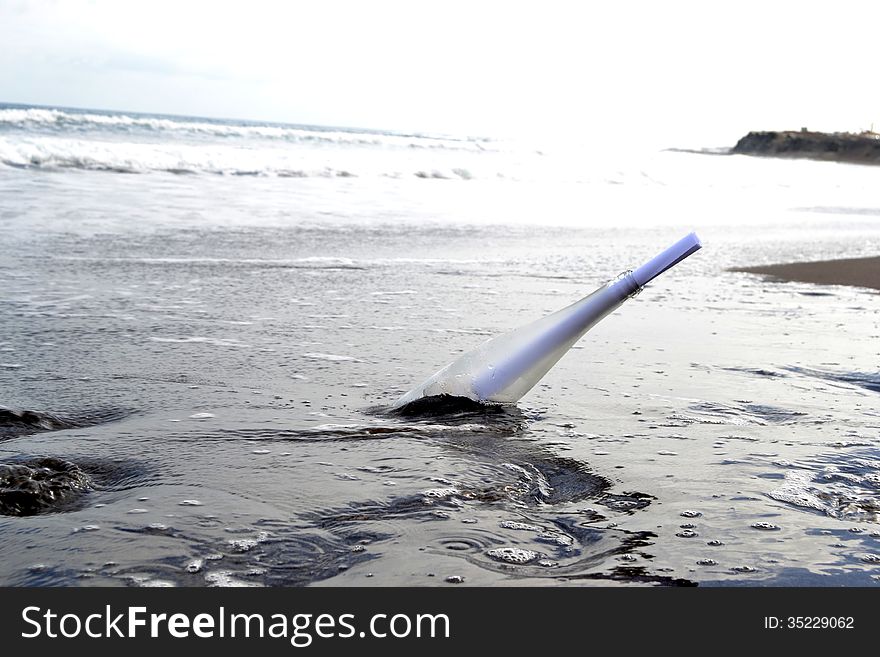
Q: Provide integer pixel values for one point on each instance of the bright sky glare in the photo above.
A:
(700, 73)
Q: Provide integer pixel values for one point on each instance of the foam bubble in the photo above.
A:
(519, 526)
(512, 555)
(440, 493)
(766, 526)
(797, 491)
(243, 544)
(556, 539)
(226, 578)
(194, 566)
(330, 357)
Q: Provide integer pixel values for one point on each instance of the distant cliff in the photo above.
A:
(859, 148)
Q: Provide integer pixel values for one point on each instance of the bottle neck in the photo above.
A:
(625, 285)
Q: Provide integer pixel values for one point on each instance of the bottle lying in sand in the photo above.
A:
(504, 368)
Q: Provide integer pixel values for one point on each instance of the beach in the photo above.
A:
(205, 324)
(858, 272)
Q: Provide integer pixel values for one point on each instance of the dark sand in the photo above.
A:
(194, 397)
(859, 272)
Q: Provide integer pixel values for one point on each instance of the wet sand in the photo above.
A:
(857, 272)
(197, 393)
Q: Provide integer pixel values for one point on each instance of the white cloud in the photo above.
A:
(688, 70)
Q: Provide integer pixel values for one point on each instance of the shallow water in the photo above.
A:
(208, 361)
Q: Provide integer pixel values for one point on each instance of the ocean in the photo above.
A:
(205, 321)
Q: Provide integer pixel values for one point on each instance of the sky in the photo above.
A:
(700, 73)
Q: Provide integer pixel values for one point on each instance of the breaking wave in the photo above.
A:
(20, 421)
(89, 121)
(64, 153)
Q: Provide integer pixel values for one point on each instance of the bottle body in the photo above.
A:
(504, 368)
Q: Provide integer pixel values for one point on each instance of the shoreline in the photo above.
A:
(854, 272)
